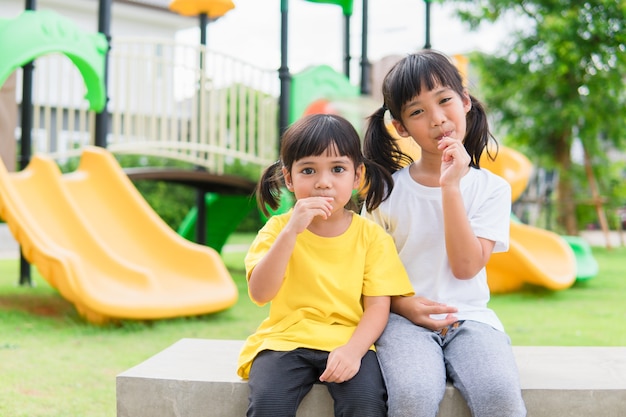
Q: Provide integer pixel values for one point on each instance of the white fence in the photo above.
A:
(171, 100)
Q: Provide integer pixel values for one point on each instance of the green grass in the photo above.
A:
(590, 313)
(53, 364)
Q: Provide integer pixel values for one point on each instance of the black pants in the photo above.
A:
(280, 380)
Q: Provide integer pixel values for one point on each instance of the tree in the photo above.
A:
(560, 79)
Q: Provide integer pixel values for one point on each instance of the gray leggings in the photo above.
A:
(477, 359)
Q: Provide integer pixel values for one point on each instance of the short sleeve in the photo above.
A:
(384, 272)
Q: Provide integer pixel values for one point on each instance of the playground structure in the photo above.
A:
(84, 230)
(223, 110)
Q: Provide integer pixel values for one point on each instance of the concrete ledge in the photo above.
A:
(196, 377)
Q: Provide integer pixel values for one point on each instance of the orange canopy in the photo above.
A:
(213, 8)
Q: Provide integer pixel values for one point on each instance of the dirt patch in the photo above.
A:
(46, 305)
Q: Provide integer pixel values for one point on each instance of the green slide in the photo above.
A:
(586, 265)
(223, 215)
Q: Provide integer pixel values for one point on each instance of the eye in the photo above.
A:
(338, 169)
(445, 100)
(416, 112)
(308, 171)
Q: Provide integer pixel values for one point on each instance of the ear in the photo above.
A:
(467, 101)
(358, 177)
(288, 181)
(400, 128)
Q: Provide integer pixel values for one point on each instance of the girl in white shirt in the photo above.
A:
(446, 216)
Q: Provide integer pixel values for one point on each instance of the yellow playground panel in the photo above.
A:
(96, 240)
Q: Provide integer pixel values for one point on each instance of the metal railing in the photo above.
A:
(166, 99)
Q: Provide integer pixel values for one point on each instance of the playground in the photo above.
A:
(102, 256)
(113, 237)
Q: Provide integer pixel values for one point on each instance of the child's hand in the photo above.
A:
(341, 366)
(420, 309)
(306, 209)
(454, 161)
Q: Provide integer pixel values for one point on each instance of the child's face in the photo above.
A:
(325, 175)
(433, 114)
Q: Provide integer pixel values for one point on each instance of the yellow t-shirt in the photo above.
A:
(319, 304)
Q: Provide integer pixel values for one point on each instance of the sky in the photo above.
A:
(251, 32)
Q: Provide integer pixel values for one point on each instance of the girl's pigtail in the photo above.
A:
(268, 188)
(478, 134)
(380, 147)
(378, 183)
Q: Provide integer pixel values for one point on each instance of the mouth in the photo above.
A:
(444, 135)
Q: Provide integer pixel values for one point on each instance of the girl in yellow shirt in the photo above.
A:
(327, 272)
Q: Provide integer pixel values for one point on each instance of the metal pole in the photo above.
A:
(366, 85)
(427, 44)
(283, 71)
(204, 21)
(200, 192)
(26, 141)
(102, 118)
(346, 46)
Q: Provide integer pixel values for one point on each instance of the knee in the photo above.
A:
(267, 401)
(406, 401)
(361, 406)
(498, 401)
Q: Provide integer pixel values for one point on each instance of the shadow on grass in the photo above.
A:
(42, 305)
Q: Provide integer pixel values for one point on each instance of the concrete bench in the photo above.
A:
(196, 377)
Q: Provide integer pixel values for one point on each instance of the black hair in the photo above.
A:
(312, 135)
(419, 71)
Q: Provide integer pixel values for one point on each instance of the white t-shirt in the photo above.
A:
(413, 216)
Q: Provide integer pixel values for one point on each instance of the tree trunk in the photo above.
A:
(566, 215)
(596, 198)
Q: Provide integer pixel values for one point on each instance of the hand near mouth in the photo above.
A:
(306, 209)
(454, 160)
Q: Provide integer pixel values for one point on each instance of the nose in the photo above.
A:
(323, 181)
(438, 118)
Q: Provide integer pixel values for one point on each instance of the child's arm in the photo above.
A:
(267, 276)
(467, 253)
(418, 310)
(345, 361)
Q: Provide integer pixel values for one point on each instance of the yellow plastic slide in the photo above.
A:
(97, 241)
(536, 256)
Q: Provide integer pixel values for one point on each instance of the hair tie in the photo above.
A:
(384, 107)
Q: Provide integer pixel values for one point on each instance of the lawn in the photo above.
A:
(53, 364)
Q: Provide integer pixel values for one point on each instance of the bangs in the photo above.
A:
(327, 134)
(422, 72)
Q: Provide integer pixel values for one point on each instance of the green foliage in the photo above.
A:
(558, 78)
(612, 189)
(171, 201)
